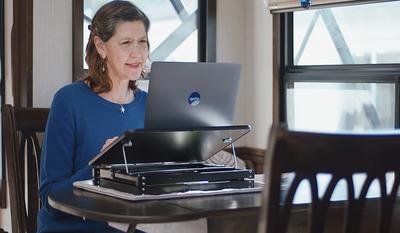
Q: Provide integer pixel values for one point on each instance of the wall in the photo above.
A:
(259, 72)
(52, 48)
(8, 21)
(244, 35)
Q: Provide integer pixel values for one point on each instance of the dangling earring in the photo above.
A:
(103, 67)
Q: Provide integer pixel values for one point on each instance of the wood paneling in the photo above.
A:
(276, 79)
(3, 184)
(77, 38)
(253, 157)
(21, 52)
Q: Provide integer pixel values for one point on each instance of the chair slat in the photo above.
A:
(287, 206)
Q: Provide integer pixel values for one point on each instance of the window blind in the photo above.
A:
(279, 6)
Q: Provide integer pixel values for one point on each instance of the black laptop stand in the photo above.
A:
(148, 167)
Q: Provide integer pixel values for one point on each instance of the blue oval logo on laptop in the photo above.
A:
(194, 99)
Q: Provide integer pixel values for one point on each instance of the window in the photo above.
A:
(340, 68)
(181, 30)
(365, 34)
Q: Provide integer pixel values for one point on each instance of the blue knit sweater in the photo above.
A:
(79, 123)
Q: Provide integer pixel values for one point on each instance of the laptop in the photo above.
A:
(191, 95)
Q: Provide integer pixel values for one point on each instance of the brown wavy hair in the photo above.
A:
(103, 25)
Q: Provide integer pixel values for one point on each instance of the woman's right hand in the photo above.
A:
(108, 142)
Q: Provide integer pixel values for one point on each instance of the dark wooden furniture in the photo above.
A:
(22, 52)
(224, 213)
(253, 157)
(22, 149)
(308, 154)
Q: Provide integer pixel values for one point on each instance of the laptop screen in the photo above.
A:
(186, 94)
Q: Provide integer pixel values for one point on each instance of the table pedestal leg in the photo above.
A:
(131, 228)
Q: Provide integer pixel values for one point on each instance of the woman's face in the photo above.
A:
(126, 51)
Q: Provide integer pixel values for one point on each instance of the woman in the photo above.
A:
(86, 116)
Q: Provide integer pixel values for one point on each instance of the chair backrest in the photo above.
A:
(306, 154)
(22, 152)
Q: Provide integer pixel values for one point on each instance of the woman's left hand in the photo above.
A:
(108, 142)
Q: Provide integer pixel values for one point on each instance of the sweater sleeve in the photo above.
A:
(57, 158)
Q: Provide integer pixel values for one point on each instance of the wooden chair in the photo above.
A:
(307, 154)
(22, 153)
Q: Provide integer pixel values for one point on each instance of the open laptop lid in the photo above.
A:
(185, 145)
(190, 94)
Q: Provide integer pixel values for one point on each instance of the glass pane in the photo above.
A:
(341, 106)
(186, 51)
(173, 30)
(190, 5)
(164, 20)
(91, 6)
(363, 34)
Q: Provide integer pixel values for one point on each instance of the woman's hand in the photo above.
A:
(108, 142)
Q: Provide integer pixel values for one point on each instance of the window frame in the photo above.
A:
(3, 183)
(286, 73)
(206, 34)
